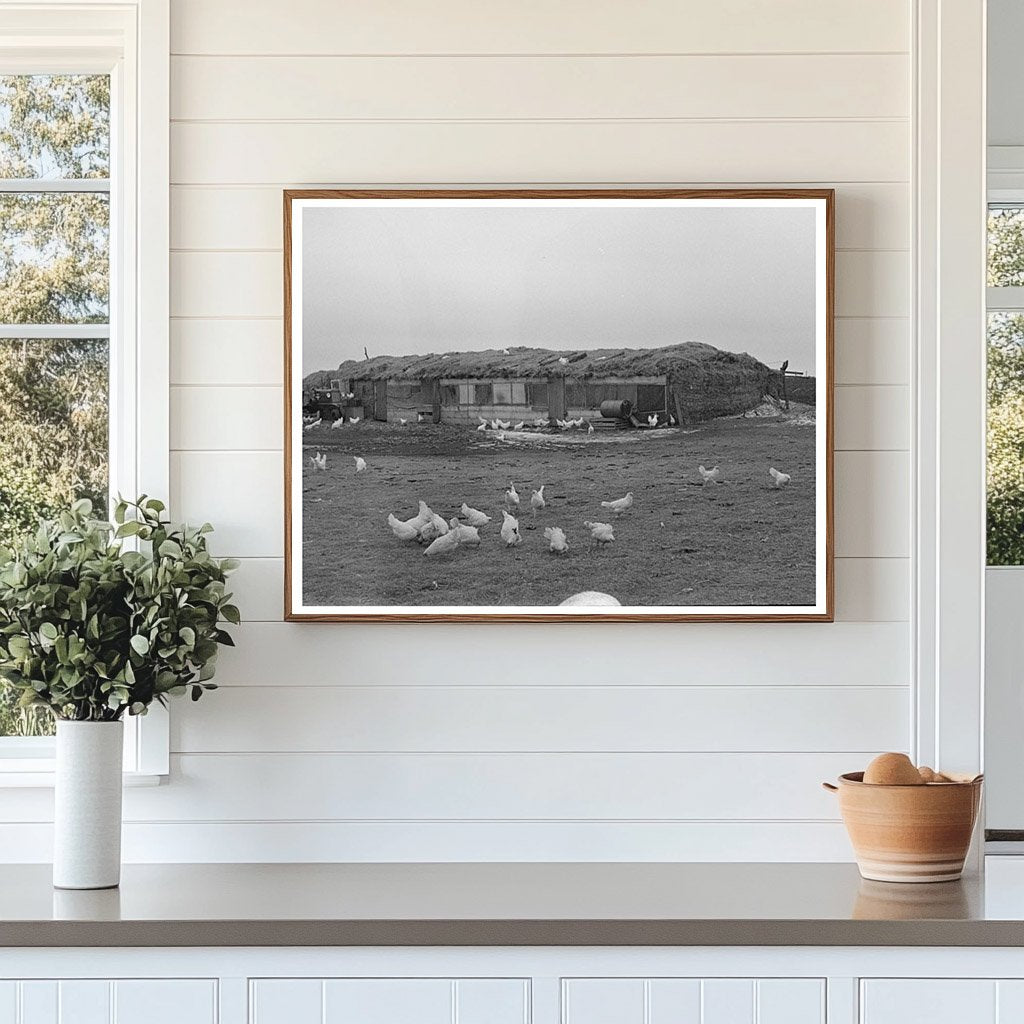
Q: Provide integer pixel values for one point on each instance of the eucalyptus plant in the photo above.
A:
(98, 619)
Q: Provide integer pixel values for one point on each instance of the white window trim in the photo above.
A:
(131, 41)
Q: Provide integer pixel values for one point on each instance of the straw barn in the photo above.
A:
(690, 381)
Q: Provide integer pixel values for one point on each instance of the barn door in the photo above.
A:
(380, 400)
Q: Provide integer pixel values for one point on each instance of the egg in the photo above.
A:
(893, 770)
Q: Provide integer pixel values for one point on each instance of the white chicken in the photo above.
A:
(444, 545)
(710, 476)
(354, 420)
(439, 525)
(503, 424)
(537, 501)
(602, 533)
(540, 422)
(590, 598)
(313, 424)
(590, 428)
(519, 425)
(338, 423)
(564, 424)
(512, 496)
(425, 514)
(319, 461)
(620, 504)
(482, 427)
(557, 542)
(360, 463)
(474, 516)
(495, 424)
(510, 530)
(403, 531)
(652, 420)
(466, 534)
(563, 361)
(779, 480)
(402, 420)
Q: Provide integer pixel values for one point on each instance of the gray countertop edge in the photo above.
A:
(34, 934)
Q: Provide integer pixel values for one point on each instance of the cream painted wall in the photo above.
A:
(429, 742)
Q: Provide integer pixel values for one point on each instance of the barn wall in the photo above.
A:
(586, 742)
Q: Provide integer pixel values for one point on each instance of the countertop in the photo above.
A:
(649, 904)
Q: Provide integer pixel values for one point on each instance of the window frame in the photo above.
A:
(130, 41)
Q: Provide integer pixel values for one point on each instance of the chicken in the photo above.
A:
(590, 428)
(435, 525)
(312, 424)
(620, 504)
(577, 422)
(512, 495)
(466, 534)
(563, 361)
(710, 476)
(482, 427)
(505, 352)
(591, 598)
(338, 423)
(425, 514)
(556, 538)
(402, 421)
(564, 424)
(652, 420)
(779, 480)
(602, 533)
(354, 420)
(503, 424)
(510, 530)
(495, 424)
(428, 532)
(519, 425)
(540, 422)
(319, 461)
(360, 463)
(474, 516)
(403, 531)
(444, 545)
(537, 501)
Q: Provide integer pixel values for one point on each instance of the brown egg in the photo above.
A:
(892, 770)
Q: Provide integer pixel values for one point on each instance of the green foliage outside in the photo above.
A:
(91, 630)
(53, 270)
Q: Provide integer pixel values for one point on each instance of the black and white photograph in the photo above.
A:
(525, 405)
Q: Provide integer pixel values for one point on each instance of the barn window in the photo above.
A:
(507, 392)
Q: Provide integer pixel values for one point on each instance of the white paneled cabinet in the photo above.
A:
(942, 1001)
(389, 1001)
(693, 1001)
(102, 1001)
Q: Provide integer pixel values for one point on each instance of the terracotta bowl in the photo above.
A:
(909, 833)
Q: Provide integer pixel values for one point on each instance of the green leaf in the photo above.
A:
(49, 631)
(140, 644)
(232, 614)
(170, 549)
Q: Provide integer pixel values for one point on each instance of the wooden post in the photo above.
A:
(785, 399)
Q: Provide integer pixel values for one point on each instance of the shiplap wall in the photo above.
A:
(623, 741)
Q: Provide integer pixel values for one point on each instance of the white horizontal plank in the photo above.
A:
(598, 718)
(227, 352)
(844, 654)
(873, 283)
(537, 152)
(872, 504)
(872, 350)
(227, 418)
(534, 26)
(872, 418)
(528, 88)
(461, 842)
(241, 493)
(867, 589)
(255, 787)
(872, 589)
(234, 284)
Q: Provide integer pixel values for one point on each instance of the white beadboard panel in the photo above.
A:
(232, 418)
(232, 284)
(531, 87)
(241, 283)
(872, 589)
(40, 1002)
(867, 589)
(283, 842)
(790, 1000)
(672, 1000)
(388, 1001)
(540, 151)
(467, 787)
(552, 718)
(535, 26)
(868, 216)
(872, 504)
(873, 283)
(937, 1001)
(87, 1002)
(872, 350)
(603, 1001)
(875, 418)
(286, 1001)
(728, 1001)
(227, 352)
(492, 1001)
(148, 1001)
(241, 493)
(691, 653)
(8, 1002)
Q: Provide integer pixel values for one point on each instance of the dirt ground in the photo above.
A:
(737, 543)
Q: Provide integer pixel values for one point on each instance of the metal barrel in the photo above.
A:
(616, 408)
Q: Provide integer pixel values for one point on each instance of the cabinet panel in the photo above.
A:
(790, 1001)
(285, 1001)
(8, 1002)
(84, 1002)
(674, 1000)
(929, 1001)
(492, 1001)
(165, 1002)
(388, 1001)
(603, 1001)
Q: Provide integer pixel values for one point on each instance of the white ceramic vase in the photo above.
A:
(87, 806)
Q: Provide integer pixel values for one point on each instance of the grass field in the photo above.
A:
(736, 543)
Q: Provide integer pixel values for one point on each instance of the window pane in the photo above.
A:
(53, 449)
(1005, 483)
(54, 126)
(54, 257)
(1005, 246)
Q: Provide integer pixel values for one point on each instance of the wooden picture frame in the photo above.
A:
(454, 398)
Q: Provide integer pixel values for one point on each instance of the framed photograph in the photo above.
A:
(558, 405)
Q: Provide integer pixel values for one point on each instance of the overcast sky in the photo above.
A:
(406, 279)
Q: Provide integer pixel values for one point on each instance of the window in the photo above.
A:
(1005, 477)
(508, 392)
(83, 288)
